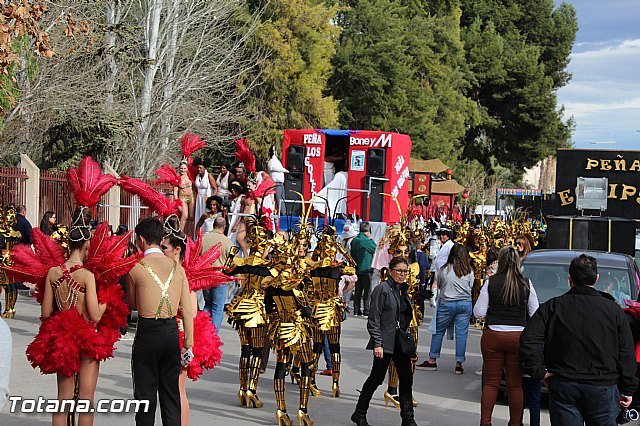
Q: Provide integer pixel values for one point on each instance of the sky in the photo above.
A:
(604, 94)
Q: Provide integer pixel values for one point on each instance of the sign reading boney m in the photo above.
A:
(622, 168)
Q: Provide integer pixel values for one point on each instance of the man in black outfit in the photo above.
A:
(584, 341)
(390, 309)
(157, 286)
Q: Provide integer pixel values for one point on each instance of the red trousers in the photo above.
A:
(500, 350)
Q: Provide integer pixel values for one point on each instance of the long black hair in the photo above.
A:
(44, 223)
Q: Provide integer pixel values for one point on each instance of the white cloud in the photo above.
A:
(604, 94)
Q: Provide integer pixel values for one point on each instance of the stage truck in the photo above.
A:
(349, 170)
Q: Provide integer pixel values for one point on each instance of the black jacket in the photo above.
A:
(383, 315)
(580, 336)
(24, 227)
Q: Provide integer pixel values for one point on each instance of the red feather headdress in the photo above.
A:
(191, 143)
(161, 204)
(168, 174)
(88, 183)
(198, 267)
(33, 264)
(106, 256)
(245, 156)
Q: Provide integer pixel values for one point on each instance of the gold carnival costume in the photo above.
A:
(8, 238)
(327, 304)
(289, 321)
(247, 311)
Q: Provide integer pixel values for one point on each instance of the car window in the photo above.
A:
(552, 280)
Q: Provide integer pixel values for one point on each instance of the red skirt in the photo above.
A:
(62, 340)
(206, 345)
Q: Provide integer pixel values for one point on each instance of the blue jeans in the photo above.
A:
(458, 313)
(532, 388)
(327, 353)
(214, 304)
(573, 404)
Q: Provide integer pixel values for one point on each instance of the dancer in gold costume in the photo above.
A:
(247, 310)
(289, 321)
(8, 238)
(327, 304)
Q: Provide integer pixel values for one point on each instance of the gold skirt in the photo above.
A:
(249, 311)
(328, 314)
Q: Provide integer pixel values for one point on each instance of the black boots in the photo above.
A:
(359, 418)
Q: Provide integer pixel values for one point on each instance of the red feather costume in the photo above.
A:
(202, 276)
(161, 204)
(168, 174)
(66, 336)
(190, 143)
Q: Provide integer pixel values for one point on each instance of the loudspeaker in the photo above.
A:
(592, 234)
(374, 201)
(376, 161)
(295, 159)
(292, 182)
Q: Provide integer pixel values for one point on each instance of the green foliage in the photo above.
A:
(299, 38)
(517, 52)
(71, 140)
(400, 66)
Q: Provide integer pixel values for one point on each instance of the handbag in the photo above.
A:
(405, 344)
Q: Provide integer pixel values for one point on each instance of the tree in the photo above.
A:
(517, 52)
(149, 72)
(299, 37)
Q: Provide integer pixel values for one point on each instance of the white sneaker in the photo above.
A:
(479, 372)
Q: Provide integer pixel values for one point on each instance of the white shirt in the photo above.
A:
(442, 257)
(153, 250)
(482, 305)
(276, 169)
(5, 361)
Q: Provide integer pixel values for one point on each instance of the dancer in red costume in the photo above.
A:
(206, 347)
(82, 307)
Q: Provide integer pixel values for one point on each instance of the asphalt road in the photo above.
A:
(444, 398)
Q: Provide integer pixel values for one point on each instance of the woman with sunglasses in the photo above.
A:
(390, 310)
(522, 245)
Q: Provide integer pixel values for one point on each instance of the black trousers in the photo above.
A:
(155, 363)
(363, 286)
(377, 376)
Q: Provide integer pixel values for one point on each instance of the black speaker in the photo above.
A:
(295, 159)
(376, 161)
(374, 201)
(292, 182)
(600, 234)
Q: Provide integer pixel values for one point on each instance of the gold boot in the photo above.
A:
(283, 418)
(303, 419)
(314, 390)
(251, 399)
(335, 389)
(13, 298)
(414, 402)
(241, 398)
(7, 303)
(391, 398)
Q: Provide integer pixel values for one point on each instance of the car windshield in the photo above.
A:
(551, 280)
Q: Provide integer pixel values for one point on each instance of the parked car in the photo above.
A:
(548, 270)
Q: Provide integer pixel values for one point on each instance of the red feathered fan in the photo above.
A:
(32, 265)
(200, 272)
(106, 256)
(191, 143)
(88, 183)
(244, 155)
(161, 204)
(168, 174)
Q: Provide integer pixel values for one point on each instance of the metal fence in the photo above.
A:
(13, 185)
(55, 196)
(131, 210)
